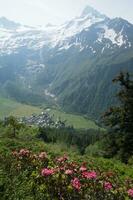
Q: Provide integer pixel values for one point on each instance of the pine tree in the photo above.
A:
(14, 124)
(120, 118)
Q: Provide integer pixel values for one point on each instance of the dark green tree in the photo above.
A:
(120, 120)
(14, 124)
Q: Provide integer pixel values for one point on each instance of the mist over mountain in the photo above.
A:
(71, 65)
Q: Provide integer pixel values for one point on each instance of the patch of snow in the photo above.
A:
(93, 51)
(65, 46)
(110, 34)
(25, 29)
(103, 49)
(129, 44)
(79, 45)
(120, 40)
(81, 49)
(48, 109)
(47, 93)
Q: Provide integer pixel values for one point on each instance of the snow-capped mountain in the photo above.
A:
(76, 56)
(14, 36)
(110, 33)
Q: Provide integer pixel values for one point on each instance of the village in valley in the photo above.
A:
(44, 120)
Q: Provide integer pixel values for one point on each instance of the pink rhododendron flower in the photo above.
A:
(62, 168)
(76, 183)
(107, 186)
(83, 168)
(24, 152)
(130, 192)
(47, 172)
(89, 175)
(69, 172)
(42, 155)
(62, 159)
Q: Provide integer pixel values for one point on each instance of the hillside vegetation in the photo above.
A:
(33, 169)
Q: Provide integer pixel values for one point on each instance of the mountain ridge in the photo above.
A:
(62, 60)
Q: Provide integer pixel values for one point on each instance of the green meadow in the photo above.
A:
(10, 107)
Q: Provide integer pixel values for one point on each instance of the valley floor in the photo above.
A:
(10, 107)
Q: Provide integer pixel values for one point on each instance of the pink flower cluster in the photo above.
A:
(89, 175)
(69, 172)
(108, 186)
(79, 177)
(47, 172)
(130, 192)
(24, 152)
(83, 168)
(70, 169)
(76, 183)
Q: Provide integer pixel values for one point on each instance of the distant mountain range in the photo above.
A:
(71, 64)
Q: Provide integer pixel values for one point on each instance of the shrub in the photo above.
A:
(39, 176)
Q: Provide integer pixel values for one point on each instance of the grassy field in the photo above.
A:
(10, 107)
(77, 121)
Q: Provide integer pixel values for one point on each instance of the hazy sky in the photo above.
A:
(41, 12)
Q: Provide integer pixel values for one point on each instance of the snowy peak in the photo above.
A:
(88, 18)
(8, 24)
(89, 11)
(65, 34)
